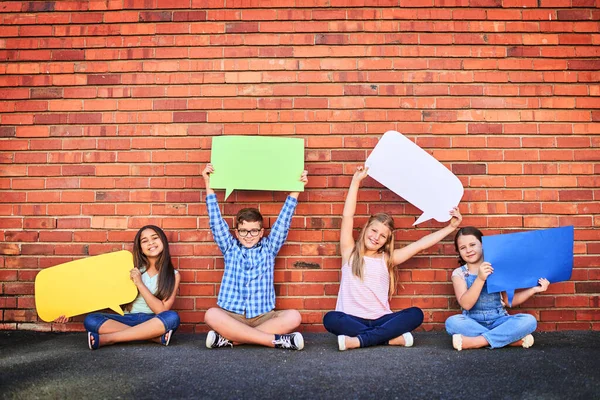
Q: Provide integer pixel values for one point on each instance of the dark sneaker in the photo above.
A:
(214, 340)
(291, 341)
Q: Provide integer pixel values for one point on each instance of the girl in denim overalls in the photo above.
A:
(484, 320)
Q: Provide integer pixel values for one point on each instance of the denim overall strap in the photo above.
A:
(488, 303)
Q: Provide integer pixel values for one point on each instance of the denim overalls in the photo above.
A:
(488, 318)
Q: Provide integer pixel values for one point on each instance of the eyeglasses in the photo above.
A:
(245, 232)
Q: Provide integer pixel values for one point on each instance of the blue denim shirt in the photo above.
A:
(247, 284)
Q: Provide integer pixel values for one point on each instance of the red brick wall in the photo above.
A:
(107, 110)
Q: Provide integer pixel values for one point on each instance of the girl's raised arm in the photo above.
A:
(346, 238)
(403, 254)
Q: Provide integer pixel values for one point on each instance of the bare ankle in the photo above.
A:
(477, 342)
(352, 342)
(397, 341)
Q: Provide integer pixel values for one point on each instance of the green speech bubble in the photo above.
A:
(257, 163)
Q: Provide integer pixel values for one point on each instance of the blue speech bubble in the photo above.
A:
(521, 259)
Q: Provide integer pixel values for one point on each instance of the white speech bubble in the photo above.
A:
(412, 173)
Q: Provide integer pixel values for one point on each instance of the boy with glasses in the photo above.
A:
(246, 302)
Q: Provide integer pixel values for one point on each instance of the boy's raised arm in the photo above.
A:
(218, 226)
(209, 169)
(280, 228)
(303, 179)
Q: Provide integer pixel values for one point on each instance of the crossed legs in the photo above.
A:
(507, 330)
(360, 332)
(284, 321)
(113, 329)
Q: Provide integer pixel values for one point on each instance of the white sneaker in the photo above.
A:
(528, 341)
(457, 341)
(341, 342)
(291, 341)
(408, 339)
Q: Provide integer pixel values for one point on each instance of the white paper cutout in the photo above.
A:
(412, 173)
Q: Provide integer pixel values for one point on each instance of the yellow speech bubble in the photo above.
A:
(85, 285)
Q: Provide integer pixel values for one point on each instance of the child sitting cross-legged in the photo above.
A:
(246, 303)
(362, 316)
(484, 321)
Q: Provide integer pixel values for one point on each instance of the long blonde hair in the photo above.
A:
(358, 253)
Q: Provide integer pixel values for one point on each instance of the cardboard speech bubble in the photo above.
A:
(413, 174)
(86, 285)
(257, 163)
(520, 259)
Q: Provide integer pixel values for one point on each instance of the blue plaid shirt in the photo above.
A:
(247, 284)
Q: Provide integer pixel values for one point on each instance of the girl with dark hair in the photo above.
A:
(484, 320)
(149, 316)
(362, 316)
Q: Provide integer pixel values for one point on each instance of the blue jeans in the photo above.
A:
(498, 328)
(373, 332)
(170, 320)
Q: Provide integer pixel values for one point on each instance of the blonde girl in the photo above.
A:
(363, 317)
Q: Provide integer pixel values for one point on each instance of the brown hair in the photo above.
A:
(248, 215)
(466, 231)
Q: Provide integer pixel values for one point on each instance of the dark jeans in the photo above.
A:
(372, 332)
(170, 320)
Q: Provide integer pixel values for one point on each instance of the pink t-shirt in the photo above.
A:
(366, 298)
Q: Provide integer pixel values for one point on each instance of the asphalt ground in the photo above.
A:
(38, 365)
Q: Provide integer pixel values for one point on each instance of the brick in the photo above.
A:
(587, 287)
(55, 236)
(558, 315)
(189, 16)
(189, 117)
(12, 223)
(30, 131)
(73, 223)
(20, 316)
(39, 223)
